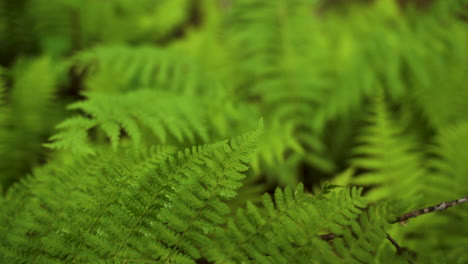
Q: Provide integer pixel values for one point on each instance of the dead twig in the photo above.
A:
(400, 250)
(442, 206)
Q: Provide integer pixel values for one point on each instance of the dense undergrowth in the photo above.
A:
(243, 131)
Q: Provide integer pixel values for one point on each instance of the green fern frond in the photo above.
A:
(126, 207)
(447, 181)
(207, 210)
(139, 68)
(286, 229)
(355, 65)
(274, 49)
(448, 163)
(365, 239)
(439, 40)
(392, 164)
(163, 115)
(28, 116)
(179, 73)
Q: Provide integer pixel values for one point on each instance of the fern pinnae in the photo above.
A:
(140, 113)
(119, 176)
(367, 240)
(12, 203)
(153, 158)
(298, 218)
(51, 246)
(446, 181)
(41, 212)
(190, 160)
(273, 215)
(238, 154)
(203, 73)
(273, 58)
(53, 238)
(192, 163)
(146, 67)
(393, 161)
(243, 245)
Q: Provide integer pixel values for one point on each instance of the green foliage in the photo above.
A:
(162, 113)
(28, 116)
(131, 173)
(286, 229)
(120, 206)
(139, 67)
(278, 75)
(392, 163)
(446, 180)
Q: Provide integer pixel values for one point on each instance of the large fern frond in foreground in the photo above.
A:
(90, 186)
(126, 207)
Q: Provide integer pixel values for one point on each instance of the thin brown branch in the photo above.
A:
(404, 218)
(442, 206)
(400, 250)
(395, 244)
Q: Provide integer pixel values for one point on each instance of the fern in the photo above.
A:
(366, 239)
(446, 181)
(139, 67)
(442, 36)
(131, 175)
(272, 47)
(286, 229)
(29, 116)
(148, 74)
(160, 113)
(393, 163)
(126, 203)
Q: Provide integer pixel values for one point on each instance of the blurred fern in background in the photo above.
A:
(117, 113)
